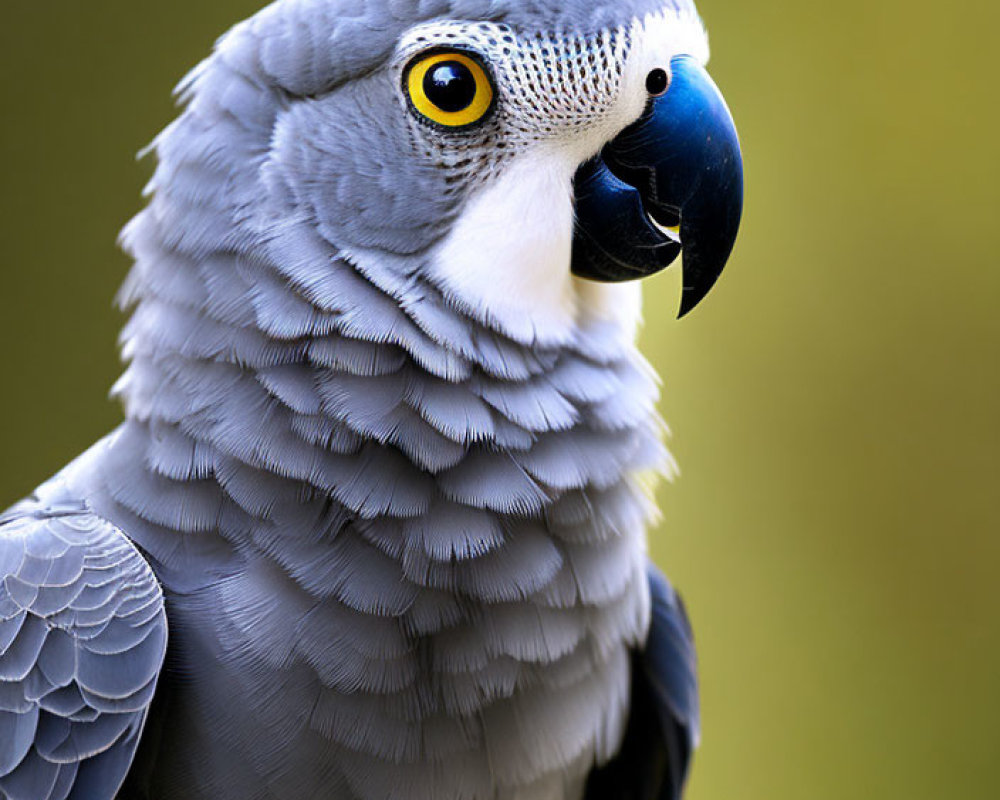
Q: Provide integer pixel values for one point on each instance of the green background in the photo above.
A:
(834, 402)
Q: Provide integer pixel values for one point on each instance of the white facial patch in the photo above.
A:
(507, 259)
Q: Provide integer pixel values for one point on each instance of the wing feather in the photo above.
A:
(82, 639)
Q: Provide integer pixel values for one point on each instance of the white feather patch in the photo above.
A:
(507, 258)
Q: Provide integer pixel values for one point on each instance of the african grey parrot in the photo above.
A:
(374, 526)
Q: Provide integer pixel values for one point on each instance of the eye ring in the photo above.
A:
(449, 88)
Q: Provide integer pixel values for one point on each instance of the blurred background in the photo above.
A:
(834, 403)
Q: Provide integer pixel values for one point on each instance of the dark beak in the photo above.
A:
(678, 165)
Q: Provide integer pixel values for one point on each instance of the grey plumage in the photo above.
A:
(402, 545)
(663, 725)
(82, 640)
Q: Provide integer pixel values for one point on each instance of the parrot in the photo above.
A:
(375, 523)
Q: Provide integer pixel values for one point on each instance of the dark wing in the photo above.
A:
(663, 726)
(82, 638)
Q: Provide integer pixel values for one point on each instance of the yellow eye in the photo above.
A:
(449, 88)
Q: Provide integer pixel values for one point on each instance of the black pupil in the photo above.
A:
(450, 85)
(657, 81)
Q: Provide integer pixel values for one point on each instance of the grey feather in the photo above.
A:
(664, 726)
(85, 640)
(19, 735)
(33, 779)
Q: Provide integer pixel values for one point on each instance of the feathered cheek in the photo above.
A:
(348, 165)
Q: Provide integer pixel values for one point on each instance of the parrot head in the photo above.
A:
(526, 158)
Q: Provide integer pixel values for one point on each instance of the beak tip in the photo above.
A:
(690, 298)
(685, 309)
